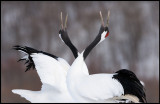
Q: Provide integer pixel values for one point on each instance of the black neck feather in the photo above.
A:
(94, 43)
(67, 41)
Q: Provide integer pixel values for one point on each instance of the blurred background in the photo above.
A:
(133, 42)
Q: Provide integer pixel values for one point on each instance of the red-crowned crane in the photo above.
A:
(121, 86)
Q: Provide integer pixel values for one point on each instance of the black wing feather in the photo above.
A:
(29, 61)
(131, 84)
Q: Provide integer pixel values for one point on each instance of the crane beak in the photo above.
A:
(102, 21)
(65, 25)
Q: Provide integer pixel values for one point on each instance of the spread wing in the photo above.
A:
(51, 69)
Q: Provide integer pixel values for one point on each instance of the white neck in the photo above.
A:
(77, 67)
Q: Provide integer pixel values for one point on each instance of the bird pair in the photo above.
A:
(64, 83)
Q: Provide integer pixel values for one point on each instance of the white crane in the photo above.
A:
(52, 71)
(121, 86)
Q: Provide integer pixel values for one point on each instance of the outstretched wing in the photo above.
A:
(51, 69)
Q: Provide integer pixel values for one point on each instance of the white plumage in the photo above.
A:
(47, 94)
(52, 74)
(91, 88)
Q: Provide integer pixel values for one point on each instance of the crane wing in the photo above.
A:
(100, 87)
(51, 69)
